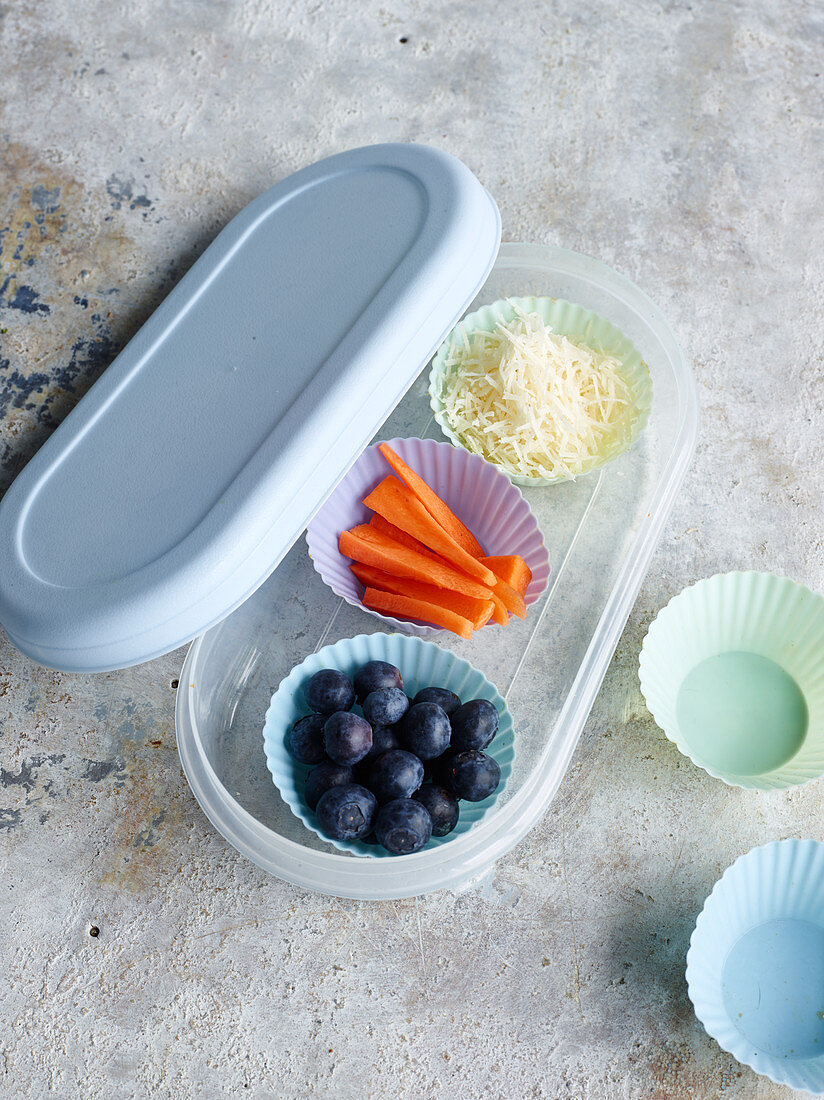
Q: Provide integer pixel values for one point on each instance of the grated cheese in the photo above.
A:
(533, 402)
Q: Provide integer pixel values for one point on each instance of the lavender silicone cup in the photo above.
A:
(480, 495)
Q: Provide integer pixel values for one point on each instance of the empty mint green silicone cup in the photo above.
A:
(732, 670)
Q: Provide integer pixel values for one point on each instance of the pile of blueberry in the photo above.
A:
(393, 776)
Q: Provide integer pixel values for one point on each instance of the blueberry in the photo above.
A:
(403, 826)
(425, 730)
(441, 806)
(347, 737)
(329, 691)
(472, 775)
(305, 739)
(384, 738)
(323, 778)
(376, 675)
(448, 701)
(474, 725)
(385, 707)
(347, 812)
(395, 774)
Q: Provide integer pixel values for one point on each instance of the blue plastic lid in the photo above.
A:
(181, 479)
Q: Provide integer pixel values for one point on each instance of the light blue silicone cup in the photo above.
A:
(422, 664)
(755, 966)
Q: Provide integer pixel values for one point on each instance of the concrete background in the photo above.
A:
(681, 143)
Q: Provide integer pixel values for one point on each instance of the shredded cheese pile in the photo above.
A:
(532, 402)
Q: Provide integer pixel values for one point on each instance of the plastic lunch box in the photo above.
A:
(181, 484)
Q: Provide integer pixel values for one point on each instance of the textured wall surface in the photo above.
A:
(679, 142)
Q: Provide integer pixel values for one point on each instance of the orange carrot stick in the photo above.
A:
(500, 615)
(391, 604)
(366, 545)
(381, 524)
(512, 569)
(395, 502)
(436, 507)
(477, 611)
(510, 599)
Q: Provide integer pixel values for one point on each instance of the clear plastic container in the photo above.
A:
(601, 532)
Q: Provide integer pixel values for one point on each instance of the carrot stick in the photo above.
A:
(391, 604)
(512, 569)
(500, 615)
(477, 611)
(366, 545)
(437, 508)
(381, 524)
(510, 599)
(395, 502)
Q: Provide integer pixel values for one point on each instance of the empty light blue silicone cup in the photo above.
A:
(755, 966)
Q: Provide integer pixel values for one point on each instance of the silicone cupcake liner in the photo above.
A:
(755, 966)
(565, 319)
(422, 664)
(732, 670)
(485, 500)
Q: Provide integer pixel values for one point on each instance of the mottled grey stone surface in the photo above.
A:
(681, 143)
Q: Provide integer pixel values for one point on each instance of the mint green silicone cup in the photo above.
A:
(732, 670)
(565, 319)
